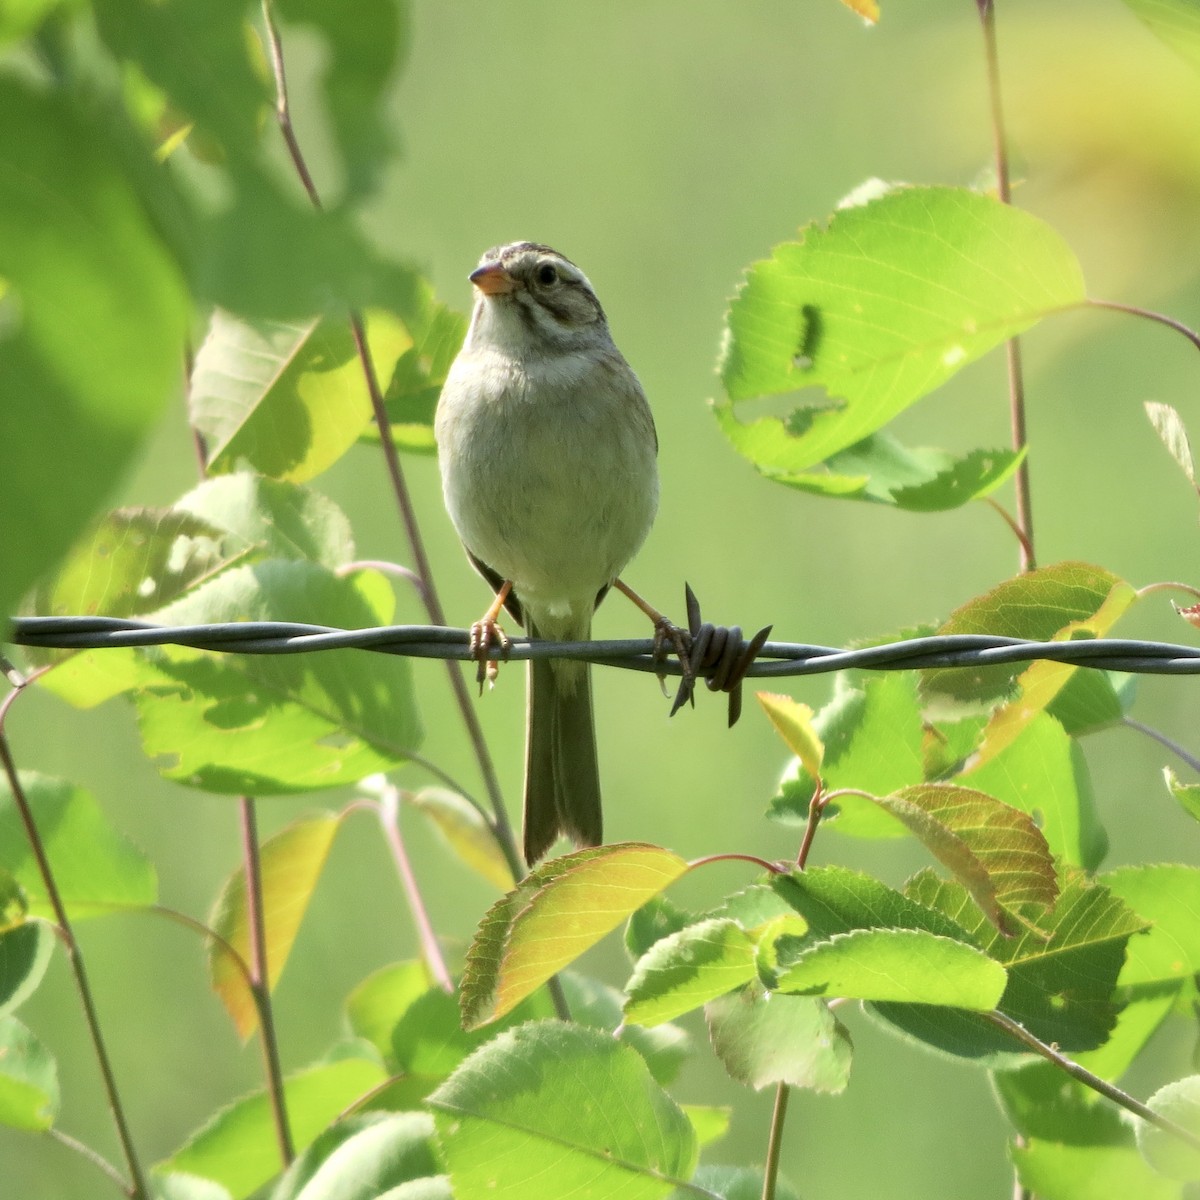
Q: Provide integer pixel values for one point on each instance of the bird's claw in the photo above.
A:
(485, 634)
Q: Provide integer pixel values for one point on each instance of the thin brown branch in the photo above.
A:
(775, 1141)
(260, 985)
(136, 1188)
(1083, 1075)
(1148, 314)
(1016, 378)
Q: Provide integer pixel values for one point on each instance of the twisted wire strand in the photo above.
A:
(775, 659)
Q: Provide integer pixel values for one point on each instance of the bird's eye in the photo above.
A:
(547, 274)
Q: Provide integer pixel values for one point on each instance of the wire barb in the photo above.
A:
(719, 656)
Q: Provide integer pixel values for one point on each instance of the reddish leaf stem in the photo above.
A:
(136, 1189)
(260, 979)
(388, 811)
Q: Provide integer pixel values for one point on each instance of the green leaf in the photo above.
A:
(28, 1079)
(380, 1000)
(881, 470)
(1188, 794)
(656, 919)
(272, 724)
(1061, 1171)
(132, 561)
(734, 1183)
(186, 1187)
(96, 869)
(93, 317)
(1038, 606)
(560, 909)
(411, 394)
(710, 1122)
(835, 900)
(1168, 896)
(1177, 22)
(1044, 773)
(1074, 1145)
(550, 1097)
(1169, 1155)
(268, 519)
(288, 399)
(25, 951)
(873, 742)
(236, 1147)
(996, 851)
(665, 1047)
(961, 480)
(883, 305)
(1062, 970)
(907, 966)
(429, 1041)
(364, 49)
(362, 1156)
(462, 827)
(246, 519)
(793, 723)
(765, 1038)
(684, 970)
(264, 251)
(291, 863)
(435, 1187)
(1041, 683)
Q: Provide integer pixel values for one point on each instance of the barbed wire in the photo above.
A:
(774, 659)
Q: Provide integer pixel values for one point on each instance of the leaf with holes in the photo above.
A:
(555, 1105)
(881, 470)
(291, 862)
(560, 909)
(880, 307)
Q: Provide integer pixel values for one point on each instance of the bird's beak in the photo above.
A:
(493, 280)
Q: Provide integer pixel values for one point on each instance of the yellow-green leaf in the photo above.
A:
(556, 913)
(793, 723)
(291, 864)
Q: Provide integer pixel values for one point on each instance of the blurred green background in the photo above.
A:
(664, 147)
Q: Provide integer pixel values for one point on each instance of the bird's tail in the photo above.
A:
(562, 776)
